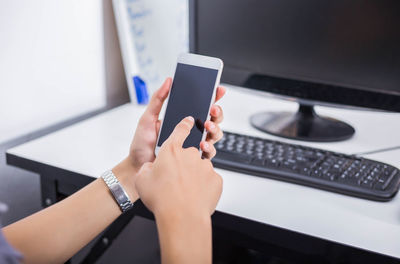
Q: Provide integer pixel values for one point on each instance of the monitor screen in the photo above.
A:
(350, 44)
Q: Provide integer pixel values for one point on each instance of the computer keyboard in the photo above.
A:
(336, 172)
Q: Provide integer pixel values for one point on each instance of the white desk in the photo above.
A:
(90, 147)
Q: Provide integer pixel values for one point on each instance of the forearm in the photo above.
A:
(55, 234)
(185, 238)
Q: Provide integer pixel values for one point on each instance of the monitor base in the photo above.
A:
(304, 125)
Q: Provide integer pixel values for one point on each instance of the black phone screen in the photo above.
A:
(190, 95)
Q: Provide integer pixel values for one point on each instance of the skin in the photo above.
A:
(55, 234)
(182, 190)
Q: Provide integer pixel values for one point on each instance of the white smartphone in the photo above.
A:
(192, 93)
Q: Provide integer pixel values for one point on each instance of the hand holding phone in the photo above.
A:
(192, 93)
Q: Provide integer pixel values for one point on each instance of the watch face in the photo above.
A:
(119, 193)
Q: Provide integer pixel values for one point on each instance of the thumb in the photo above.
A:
(158, 98)
(181, 131)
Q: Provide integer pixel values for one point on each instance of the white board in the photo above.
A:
(152, 34)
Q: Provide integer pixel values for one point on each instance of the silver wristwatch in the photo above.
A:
(120, 196)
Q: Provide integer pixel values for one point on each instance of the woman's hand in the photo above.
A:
(144, 141)
(179, 181)
(182, 190)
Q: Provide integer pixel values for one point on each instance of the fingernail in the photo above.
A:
(212, 126)
(190, 118)
(205, 146)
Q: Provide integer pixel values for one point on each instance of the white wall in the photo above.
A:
(51, 62)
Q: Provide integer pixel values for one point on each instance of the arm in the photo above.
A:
(55, 234)
(182, 190)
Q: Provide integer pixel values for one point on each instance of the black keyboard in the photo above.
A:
(336, 172)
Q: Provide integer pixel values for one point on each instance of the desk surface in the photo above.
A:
(97, 144)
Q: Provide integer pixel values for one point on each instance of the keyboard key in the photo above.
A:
(389, 180)
(236, 157)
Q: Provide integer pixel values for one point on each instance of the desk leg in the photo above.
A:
(106, 239)
(48, 187)
(49, 193)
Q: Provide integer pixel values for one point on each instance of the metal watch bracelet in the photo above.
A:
(118, 192)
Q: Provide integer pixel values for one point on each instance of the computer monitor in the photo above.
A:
(340, 53)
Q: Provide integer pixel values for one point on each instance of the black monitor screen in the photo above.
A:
(341, 43)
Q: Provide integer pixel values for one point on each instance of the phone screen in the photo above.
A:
(190, 95)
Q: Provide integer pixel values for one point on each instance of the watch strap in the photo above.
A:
(118, 192)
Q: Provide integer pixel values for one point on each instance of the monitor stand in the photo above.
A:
(304, 125)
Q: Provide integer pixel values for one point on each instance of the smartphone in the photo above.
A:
(192, 93)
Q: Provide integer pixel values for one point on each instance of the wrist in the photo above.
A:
(126, 173)
(185, 238)
(182, 217)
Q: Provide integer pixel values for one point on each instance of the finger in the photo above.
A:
(181, 131)
(214, 132)
(211, 127)
(158, 98)
(217, 115)
(158, 125)
(208, 149)
(220, 92)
